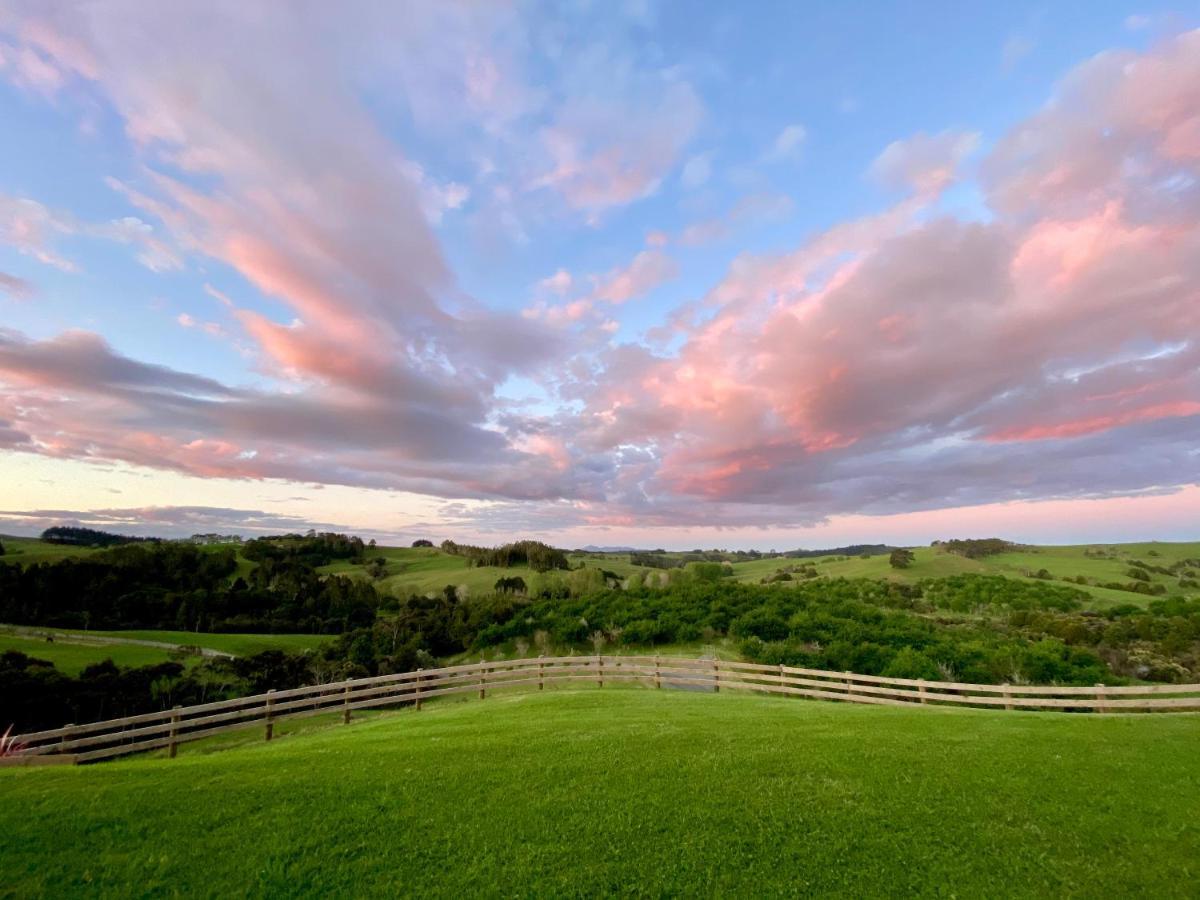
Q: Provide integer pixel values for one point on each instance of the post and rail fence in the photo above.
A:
(169, 728)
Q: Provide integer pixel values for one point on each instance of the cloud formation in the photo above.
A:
(1046, 345)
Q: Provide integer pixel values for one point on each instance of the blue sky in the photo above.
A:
(525, 264)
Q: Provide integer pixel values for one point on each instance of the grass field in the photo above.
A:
(237, 644)
(76, 656)
(30, 550)
(72, 659)
(633, 792)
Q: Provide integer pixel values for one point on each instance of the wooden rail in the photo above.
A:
(169, 728)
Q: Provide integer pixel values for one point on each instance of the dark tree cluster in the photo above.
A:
(976, 548)
(538, 556)
(655, 560)
(311, 549)
(851, 550)
(88, 537)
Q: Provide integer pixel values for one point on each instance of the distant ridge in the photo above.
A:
(852, 550)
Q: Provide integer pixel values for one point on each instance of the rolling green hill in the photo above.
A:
(1059, 561)
(425, 570)
(585, 792)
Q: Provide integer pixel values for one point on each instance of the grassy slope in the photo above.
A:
(1059, 561)
(30, 550)
(74, 658)
(632, 791)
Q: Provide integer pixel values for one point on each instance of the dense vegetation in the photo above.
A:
(179, 586)
(633, 793)
(534, 554)
(36, 695)
(976, 548)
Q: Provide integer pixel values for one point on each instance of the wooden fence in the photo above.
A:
(150, 731)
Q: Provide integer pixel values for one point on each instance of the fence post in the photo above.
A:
(67, 729)
(1008, 704)
(716, 676)
(782, 677)
(482, 682)
(270, 727)
(600, 670)
(173, 746)
(541, 672)
(1101, 699)
(849, 688)
(921, 690)
(418, 698)
(657, 673)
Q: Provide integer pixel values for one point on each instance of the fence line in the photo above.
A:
(169, 728)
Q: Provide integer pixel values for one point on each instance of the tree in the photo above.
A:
(1, 549)
(421, 542)
(901, 558)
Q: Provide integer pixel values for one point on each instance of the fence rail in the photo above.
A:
(169, 728)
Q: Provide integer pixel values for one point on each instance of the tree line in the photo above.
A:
(186, 588)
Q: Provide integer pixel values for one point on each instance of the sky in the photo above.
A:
(672, 274)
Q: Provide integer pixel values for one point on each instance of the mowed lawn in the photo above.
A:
(627, 791)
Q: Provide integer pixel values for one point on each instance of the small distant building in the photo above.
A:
(214, 539)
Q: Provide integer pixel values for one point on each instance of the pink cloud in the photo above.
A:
(925, 163)
(609, 150)
(895, 342)
(646, 271)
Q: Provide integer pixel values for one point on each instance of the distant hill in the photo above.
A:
(592, 548)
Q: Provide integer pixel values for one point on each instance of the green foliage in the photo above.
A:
(901, 558)
(311, 549)
(706, 571)
(964, 593)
